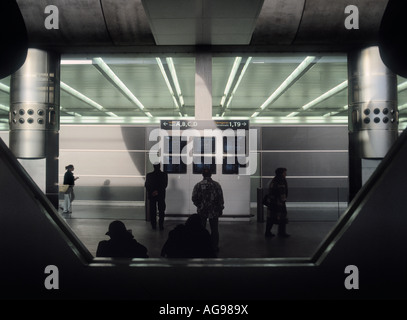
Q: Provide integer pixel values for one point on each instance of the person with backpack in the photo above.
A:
(190, 240)
(276, 207)
(207, 196)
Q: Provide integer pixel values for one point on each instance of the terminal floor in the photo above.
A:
(238, 239)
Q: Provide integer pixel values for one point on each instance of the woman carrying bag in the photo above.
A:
(69, 195)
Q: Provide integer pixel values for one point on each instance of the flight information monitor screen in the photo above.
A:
(170, 165)
(231, 166)
(203, 162)
(204, 145)
(173, 144)
(234, 145)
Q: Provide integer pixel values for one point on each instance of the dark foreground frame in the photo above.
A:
(371, 235)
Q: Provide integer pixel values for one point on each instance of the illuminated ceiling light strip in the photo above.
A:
(323, 97)
(70, 112)
(332, 113)
(303, 66)
(108, 120)
(173, 72)
(75, 61)
(292, 114)
(171, 68)
(4, 108)
(82, 97)
(246, 65)
(300, 120)
(402, 107)
(149, 114)
(402, 86)
(231, 78)
(104, 68)
(336, 112)
(167, 81)
(4, 88)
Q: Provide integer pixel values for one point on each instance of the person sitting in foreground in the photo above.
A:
(191, 240)
(121, 244)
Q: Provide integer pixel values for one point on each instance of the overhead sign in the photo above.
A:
(204, 124)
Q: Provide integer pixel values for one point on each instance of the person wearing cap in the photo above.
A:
(207, 196)
(156, 183)
(121, 244)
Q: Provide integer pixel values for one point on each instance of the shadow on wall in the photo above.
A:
(176, 196)
(105, 191)
(135, 140)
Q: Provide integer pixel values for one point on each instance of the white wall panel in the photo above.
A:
(106, 158)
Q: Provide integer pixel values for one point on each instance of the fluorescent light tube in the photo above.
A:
(326, 95)
(288, 82)
(109, 73)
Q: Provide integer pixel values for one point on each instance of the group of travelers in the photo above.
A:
(192, 239)
(189, 240)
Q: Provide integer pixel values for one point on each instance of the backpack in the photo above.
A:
(267, 201)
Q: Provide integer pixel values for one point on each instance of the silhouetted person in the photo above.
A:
(156, 183)
(69, 195)
(121, 244)
(277, 211)
(207, 196)
(189, 240)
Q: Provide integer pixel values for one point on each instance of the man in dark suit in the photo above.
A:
(156, 183)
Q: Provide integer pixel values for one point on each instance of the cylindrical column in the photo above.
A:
(34, 104)
(372, 99)
(373, 114)
(34, 117)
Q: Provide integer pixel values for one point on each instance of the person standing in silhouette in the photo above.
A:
(69, 195)
(207, 196)
(189, 240)
(156, 183)
(277, 210)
